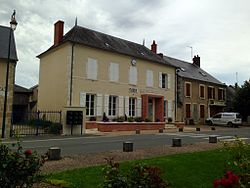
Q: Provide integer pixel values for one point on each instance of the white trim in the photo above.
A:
(169, 80)
(99, 105)
(127, 105)
(160, 79)
(121, 106)
(83, 99)
(138, 107)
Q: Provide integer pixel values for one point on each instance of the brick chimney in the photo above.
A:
(58, 32)
(154, 47)
(197, 61)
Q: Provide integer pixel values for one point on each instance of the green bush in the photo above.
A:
(18, 168)
(138, 119)
(238, 160)
(138, 176)
(55, 128)
(131, 119)
(148, 120)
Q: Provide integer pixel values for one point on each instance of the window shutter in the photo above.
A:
(138, 107)
(99, 105)
(160, 79)
(92, 69)
(132, 75)
(106, 104)
(83, 99)
(127, 106)
(121, 106)
(150, 77)
(114, 72)
(169, 108)
(169, 81)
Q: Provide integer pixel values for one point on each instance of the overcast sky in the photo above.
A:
(217, 30)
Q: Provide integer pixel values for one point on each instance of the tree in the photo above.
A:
(242, 100)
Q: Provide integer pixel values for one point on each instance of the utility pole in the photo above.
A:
(191, 52)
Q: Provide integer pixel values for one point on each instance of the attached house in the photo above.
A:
(199, 95)
(105, 74)
(4, 46)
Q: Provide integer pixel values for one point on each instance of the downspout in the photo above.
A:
(71, 75)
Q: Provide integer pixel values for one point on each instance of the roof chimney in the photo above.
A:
(196, 61)
(154, 47)
(58, 31)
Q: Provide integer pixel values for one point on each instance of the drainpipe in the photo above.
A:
(71, 74)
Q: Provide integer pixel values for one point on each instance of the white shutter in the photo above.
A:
(169, 108)
(99, 105)
(127, 106)
(150, 78)
(92, 69)
(114, 72)
(83, 99)
(169, 81)
(160, 79)
(132, 75)
(106, 104)
(121, 106)
(138, 107)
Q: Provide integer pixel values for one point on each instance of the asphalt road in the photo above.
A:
(72, 145)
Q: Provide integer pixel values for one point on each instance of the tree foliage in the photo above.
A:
(242, 100)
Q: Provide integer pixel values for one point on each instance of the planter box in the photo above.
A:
(129, 126)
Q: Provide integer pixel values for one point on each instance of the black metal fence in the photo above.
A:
(36, 123)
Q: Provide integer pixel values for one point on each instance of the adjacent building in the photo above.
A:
(198, 94)
(4, 47)
(105, 74)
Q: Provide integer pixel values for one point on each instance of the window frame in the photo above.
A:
(204, 89)
(88, 104)
(212, 92)
(112, 105)
(132, 107)
(190, 89)
(221, 95)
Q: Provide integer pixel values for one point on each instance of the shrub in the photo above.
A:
(55, 128)
(238, 160)
(146, 176)
(131, 119)
(138, 176)
(170, 120)
(18, 168)
(120, 119)
(148, 120)
(138, 119)
(229, 180)
(92, 118)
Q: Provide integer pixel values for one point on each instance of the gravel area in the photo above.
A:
(85, 160)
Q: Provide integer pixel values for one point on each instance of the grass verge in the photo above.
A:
(197, 169)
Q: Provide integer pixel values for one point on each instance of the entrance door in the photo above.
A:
(151, 108)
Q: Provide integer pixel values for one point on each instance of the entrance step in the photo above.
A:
(170, 126)
(91, 131)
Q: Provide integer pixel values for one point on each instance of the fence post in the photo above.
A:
(37, 128)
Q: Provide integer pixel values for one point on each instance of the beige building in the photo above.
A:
(4, 44)
(199, 95)
(105, 74)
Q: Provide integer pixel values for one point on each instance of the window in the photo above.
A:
(221, 94)
(202, 91)
(112, 105)
(188, 110)
(133, 75)
(132, 107)
(92, 69)
(114, 72)
(90, 104)
(211, 92)
(188, 89)
(202, 111)
(164, 81)
(150, 78)
(165, 108)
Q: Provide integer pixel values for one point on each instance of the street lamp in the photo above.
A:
(13, 25)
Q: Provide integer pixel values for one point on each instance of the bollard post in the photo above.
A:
(160, 130)
(54, 153)
(180, 129)
(176, 142)
(127, 146)
(198, 129)
(213, 128)
(137, 131)
(212, 139)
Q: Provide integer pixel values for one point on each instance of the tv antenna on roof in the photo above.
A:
(191, 52)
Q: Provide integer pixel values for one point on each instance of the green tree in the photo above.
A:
(242, 100)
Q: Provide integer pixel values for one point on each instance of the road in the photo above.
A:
(72, 145)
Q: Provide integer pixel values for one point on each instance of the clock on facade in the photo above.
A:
(133, 62)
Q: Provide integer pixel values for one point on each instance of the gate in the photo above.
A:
(36, 123)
